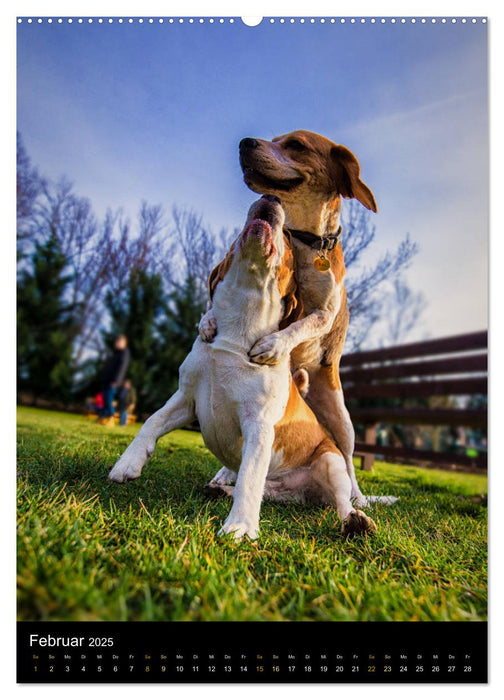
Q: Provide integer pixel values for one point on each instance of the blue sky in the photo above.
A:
(155, 112)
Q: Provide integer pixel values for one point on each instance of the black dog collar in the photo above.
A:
(327, 242)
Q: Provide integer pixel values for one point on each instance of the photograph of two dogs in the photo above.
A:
(257, 222)
(262, 378)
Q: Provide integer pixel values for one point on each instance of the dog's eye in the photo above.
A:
(295, 145)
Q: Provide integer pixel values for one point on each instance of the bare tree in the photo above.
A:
(358, 232)
(148, 247)
(29, 186)
(142, 248)
(403, 308)
(368, 286)
(194, 249)
(85, 245)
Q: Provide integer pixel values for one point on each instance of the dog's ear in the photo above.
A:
(287, 284)
(219, 272)
(293, 309)
(346, 171)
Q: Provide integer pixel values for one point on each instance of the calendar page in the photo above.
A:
(252, 349)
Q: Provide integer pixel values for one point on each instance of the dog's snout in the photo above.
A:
(257, 235)
(248, 143)
(271, 198)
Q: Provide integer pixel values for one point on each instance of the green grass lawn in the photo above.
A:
(148, 550)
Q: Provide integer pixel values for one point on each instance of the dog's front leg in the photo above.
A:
(243, 518)
(177, 412)
(270, 349)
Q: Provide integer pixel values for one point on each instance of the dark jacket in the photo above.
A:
(125, 398)
(116, 367)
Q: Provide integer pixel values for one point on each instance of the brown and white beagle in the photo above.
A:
(253, 416)
(310, 174)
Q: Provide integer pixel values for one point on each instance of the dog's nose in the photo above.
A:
(248, 143)
(271, 198)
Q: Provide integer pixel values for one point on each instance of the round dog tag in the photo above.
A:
(321, 263)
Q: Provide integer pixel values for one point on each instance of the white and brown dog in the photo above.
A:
(310, 174)
(252, 416)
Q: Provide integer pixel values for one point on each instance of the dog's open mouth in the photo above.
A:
(254, 178)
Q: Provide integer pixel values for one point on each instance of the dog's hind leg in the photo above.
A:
(331, 481)
(218, 490)
(224, 478)
(341, 427)
(176, 413)
(325, 397)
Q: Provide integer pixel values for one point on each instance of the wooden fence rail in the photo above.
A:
(452, 366)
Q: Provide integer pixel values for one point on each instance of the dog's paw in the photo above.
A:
(224, 477)
(270, 349)
(217, 490)
(238, 529)
(126, 469)
(207, 327)
(358, 523)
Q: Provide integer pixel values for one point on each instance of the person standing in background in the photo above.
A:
(126, 401)
(113, 376)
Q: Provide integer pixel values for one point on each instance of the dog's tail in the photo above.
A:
(301, 379)
(384, 500)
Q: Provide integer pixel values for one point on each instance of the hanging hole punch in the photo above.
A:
(252, 21)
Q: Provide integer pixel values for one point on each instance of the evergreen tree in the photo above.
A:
(135, 312)
(46, 327)
(183, 309)
(161, 329)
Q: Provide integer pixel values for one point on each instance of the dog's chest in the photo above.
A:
(317, 288)
(232, 393)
